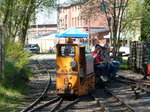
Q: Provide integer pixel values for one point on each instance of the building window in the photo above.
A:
(63, 21)
(75, 21)
(74, 8)
(81, 21)
(66, 21)
(104, 6)
(60, 23)
(72, 21)
(78, 21)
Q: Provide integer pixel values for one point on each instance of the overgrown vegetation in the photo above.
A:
(145, 23)
(14, 52)
(16, 73)
(124, 65)
(12, 89)
(16, 16)
(9, 99)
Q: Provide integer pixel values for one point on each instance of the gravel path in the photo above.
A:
(141, 104)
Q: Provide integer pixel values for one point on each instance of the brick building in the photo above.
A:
(43, 29)
(70, 16)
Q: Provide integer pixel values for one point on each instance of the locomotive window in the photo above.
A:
(67, 51)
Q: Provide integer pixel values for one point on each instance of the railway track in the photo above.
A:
(136, 85)
(61, 105)
(58, 103)
(43, 103)
(143, 82)
(112, 103)
(43, 98)
(51, 104)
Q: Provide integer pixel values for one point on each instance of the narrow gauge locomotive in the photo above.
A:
(74, 75)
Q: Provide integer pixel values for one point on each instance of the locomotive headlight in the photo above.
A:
(73, 64)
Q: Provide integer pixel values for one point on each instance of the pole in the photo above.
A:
(89, 39)
(58, 22)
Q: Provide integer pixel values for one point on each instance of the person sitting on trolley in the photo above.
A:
(112, 66)
(100, 67)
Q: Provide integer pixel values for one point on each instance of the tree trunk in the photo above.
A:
(2, 59)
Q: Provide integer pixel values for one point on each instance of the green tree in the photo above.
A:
(16, 16)
(145, 22)
(115, 12)
(132, 20)
(123, 16)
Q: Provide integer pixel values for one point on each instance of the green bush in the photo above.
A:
(124, 65)
(16, 58)
(10, 69)
(19, 85)
(15, 53)
(14, 83)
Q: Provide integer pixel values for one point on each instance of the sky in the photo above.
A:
(47, 16)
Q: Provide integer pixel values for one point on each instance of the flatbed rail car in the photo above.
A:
(75, 73)
(140, 57)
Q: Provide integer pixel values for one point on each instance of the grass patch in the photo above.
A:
(124, 65)
(12, 89)
(9, 99)
(14, 85)
(11, 94)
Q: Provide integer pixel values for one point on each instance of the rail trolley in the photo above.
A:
(75, 74)
(140, 57)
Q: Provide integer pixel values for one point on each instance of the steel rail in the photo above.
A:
(143, 89)
(50, 65)
(135, 84)
(46, 104)
(145, 83)
(103, 109)
(42, 95)
(67, 106)
(128, 107)
(57, 105)
(125, 82)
